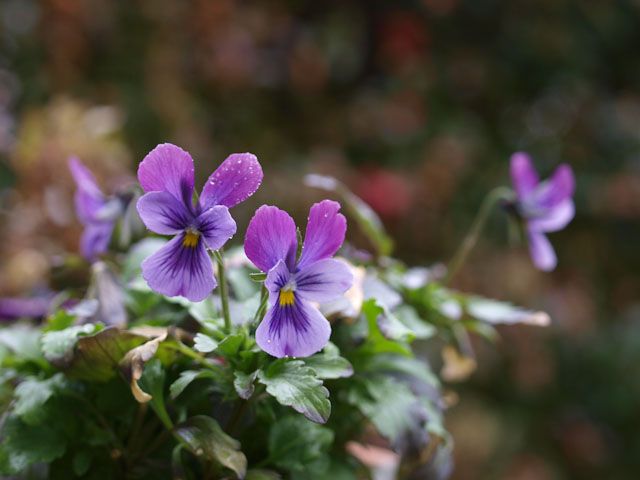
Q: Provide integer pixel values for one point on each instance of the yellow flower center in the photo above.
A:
(190, 239)
(286, 298)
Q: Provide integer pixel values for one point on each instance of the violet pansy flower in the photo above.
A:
(293, 326)
(182, 266)
(544, 206)
(96, 211)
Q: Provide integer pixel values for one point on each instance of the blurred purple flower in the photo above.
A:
(15, 308)
(292, 325)
(545, 206)
(182, 266)
(96, 211)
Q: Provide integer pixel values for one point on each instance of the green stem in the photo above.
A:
(461, 255)
(186, 351)
(224, 292)
(264, 296)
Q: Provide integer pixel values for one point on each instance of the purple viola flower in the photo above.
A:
(96, 211)
(293, 326)
(182, 266)
(15, 308)
(544, 206)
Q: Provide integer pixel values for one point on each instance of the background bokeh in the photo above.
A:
(416, 105)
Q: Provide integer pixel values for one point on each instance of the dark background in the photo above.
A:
(417, 106)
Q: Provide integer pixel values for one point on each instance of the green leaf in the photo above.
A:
(296, 444)
(23, 445)
(376, 342)
(204, 343)
(185, 379)
(206, 438)
(387, 403)
(96, 357)
(59, 321)
(81, 462)
(205, 312)
(231, 344)
(242, 286)
(152, 381)
(262, 474)
(403, 365)
(329, 364)
(258, 276)
(409, 317)
(295, 385)
(394, 329)
(57, 346)
(23, 341)
(32, 394)
(363, 214)
(243, 383)
(496, 312)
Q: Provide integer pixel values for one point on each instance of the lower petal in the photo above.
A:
(556, 219)
(298, 330)
(95, 239)
(177, 269)
(542, 253)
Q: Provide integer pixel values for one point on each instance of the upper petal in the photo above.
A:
(523, 175)
(557, 189)
(176, 269)
(554, 219)
(270, 237)
(216, 226)
(162, 213)
(325, 232)
(297, 330)
(324, 280)
(542, 253)
(89, 199)
(235, 180)
(168, 168)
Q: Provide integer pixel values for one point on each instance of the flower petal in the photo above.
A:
(89, 199)
(162, 213)
(179, 270)
(324, 280)
(168, 168)
(95, 239)
(270, 237)
(216, 225)
(325, 232)
(523, 175)
(277, 278)
(542, 253)
(555, 219)
(557, 189)
(235, 180)
(296, 330)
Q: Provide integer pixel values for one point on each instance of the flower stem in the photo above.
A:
(496, 195)
(224, 292)
(264, 296)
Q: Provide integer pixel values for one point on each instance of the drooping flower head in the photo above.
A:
(96, 211)
(544, 206)
(293, 326)
(166, 174)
